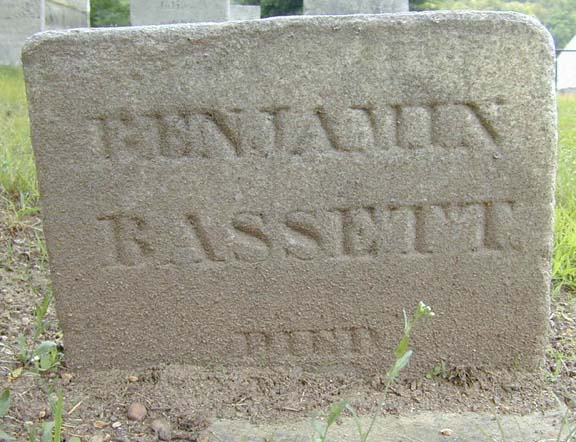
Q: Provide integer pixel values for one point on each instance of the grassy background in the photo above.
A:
(19, 189)
(564, 267)
(17, 169)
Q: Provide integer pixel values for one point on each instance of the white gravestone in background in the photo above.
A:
(159, 12)
(340, 7)
(19, 19)
(244, 12)
(566, 68)
(64, 14)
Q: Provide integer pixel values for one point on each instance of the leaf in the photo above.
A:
(4, 402)
(58, 416)
(75, 439)
(22, 349)
(335, 412)
(5, 436)
(16, 373)
(45, 347)
(318, 426)
(399, 365)
(356, 419)
(45, 362)
(402, 347)
(47, 428)
(352, 410)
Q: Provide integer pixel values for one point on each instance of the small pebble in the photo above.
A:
(162, 429)
(446, 432)
(132, 379)
(137, 412)
(66, 377)
(204, 437)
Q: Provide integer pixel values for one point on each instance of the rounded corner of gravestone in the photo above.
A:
(533, 27)
(34, 45)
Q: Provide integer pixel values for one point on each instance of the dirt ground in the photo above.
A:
(190, 398)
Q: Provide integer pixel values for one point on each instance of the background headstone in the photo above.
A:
(157, 12)
(244, 12)
(19, 19)
(566, 66)
(340, 7)
(276, 192)
(64, 14)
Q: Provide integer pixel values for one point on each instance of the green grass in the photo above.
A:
(17, 169)
(564, 268)
(18, 173)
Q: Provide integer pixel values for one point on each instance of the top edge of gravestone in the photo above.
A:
(203, 30)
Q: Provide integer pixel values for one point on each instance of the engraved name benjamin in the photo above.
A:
(261, 132)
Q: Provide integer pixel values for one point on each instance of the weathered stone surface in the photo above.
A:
(159, 12)
(18, 20)
(277, 191)
(244, 12)
(339, 7)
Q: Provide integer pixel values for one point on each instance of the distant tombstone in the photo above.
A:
(566, 68)
(341, 7)
(19, 19)
(244, 12)
(277, 191)
(159, 12)
(64, 14)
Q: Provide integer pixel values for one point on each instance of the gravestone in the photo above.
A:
(276, 192)
(158, 12)
(64, 14)
(566, 67)
(19, 19)
(340, 7)
(244, 12)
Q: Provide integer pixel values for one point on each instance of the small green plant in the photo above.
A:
(50, 431)
(567, 432)
(43, 356)
(438, 371)
(40, 323)
(4, 406)
(402, 354)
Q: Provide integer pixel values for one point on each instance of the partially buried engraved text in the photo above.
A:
(298, 343)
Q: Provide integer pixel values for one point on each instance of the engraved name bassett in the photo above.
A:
(253, 132)
(365, 232)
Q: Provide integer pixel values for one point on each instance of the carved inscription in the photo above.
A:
(341, 233)
(21, 9)
(239, 133)
(171, 4)
(332, 342)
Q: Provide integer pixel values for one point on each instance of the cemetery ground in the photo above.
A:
(95, 405)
